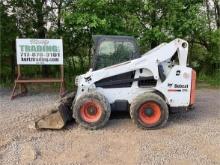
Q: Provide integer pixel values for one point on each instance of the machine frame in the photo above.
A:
(175, 89)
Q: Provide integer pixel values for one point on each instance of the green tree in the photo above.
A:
(8, 33)
(150, 21)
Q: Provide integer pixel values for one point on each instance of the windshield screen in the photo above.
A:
(114, 52)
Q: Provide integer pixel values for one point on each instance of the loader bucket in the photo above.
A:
(59, 116)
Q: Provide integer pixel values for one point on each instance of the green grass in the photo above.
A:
(6, 84)
(212, 80)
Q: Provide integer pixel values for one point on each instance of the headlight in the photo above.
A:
(77, 80)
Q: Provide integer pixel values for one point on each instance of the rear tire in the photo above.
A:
(149, 111)
(92, 110)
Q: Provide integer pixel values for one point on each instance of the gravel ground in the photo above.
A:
(188, 138)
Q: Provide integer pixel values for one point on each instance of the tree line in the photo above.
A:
(149, 21)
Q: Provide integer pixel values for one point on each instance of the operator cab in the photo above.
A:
(110, 50)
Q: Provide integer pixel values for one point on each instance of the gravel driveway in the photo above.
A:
(188, 138)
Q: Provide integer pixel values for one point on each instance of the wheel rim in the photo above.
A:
(150, 113)
(91, 111)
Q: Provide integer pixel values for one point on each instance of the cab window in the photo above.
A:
(114, 52)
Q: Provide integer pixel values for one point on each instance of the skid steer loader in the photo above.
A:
(148, 86)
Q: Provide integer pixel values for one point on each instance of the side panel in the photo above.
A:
(129, 94)
(177, 86)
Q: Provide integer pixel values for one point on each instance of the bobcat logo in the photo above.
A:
(177, 72)
(169, 85)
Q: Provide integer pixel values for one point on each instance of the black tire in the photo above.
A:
(100, 101)
(139, 105)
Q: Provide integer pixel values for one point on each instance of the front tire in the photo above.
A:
(92, 110)
(149, 111)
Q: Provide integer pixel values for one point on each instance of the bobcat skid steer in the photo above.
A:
(148, 86)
